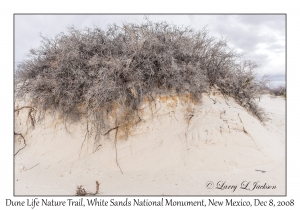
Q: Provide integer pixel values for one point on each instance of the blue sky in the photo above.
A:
(260, 37)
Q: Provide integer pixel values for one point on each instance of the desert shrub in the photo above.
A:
(92, 73)
(278, 91)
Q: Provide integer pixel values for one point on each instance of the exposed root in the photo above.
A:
(97, 187)
(32, 109)
(83, 141)
(224, 112)
(157, 109)
(191, 116)
(226, 98)
(240, 118)
(19, 134)
(97, 148)
(214, 100)
(24, 107)
(65, 123)
(174, 115)
(227, 102)
(139, 120)
(116, 138)
(111, 130)
(261, 171)
(188, 119)
(208, 111)
(32, 167)
(87, 132)
(244, 130)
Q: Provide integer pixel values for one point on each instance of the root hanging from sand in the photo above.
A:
(240, 118)
(244, 130)
(86, 134)
(24, 107)
(224, 113)
(97, 187)
(111, 130)
(214, 100)
(19, 134)
(97, 148)
(188, 119)
(261, 171)
(225, 98)
(208, 111)
(32, 167)
(116, 138)
(32, 109)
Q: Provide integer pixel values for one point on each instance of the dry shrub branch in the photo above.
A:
(106, 75)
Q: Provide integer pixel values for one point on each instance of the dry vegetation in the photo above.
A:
(278, 91)
(105, 76)
(80, 191)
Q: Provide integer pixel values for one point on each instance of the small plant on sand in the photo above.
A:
(80, 191)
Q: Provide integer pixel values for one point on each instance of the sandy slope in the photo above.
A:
(177, 150)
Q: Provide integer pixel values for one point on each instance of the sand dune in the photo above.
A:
(177, 149)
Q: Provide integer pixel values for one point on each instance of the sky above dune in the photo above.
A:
(260, 38)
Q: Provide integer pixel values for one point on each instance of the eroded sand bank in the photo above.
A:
(177, 149)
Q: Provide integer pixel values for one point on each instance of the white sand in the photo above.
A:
(164, 155)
